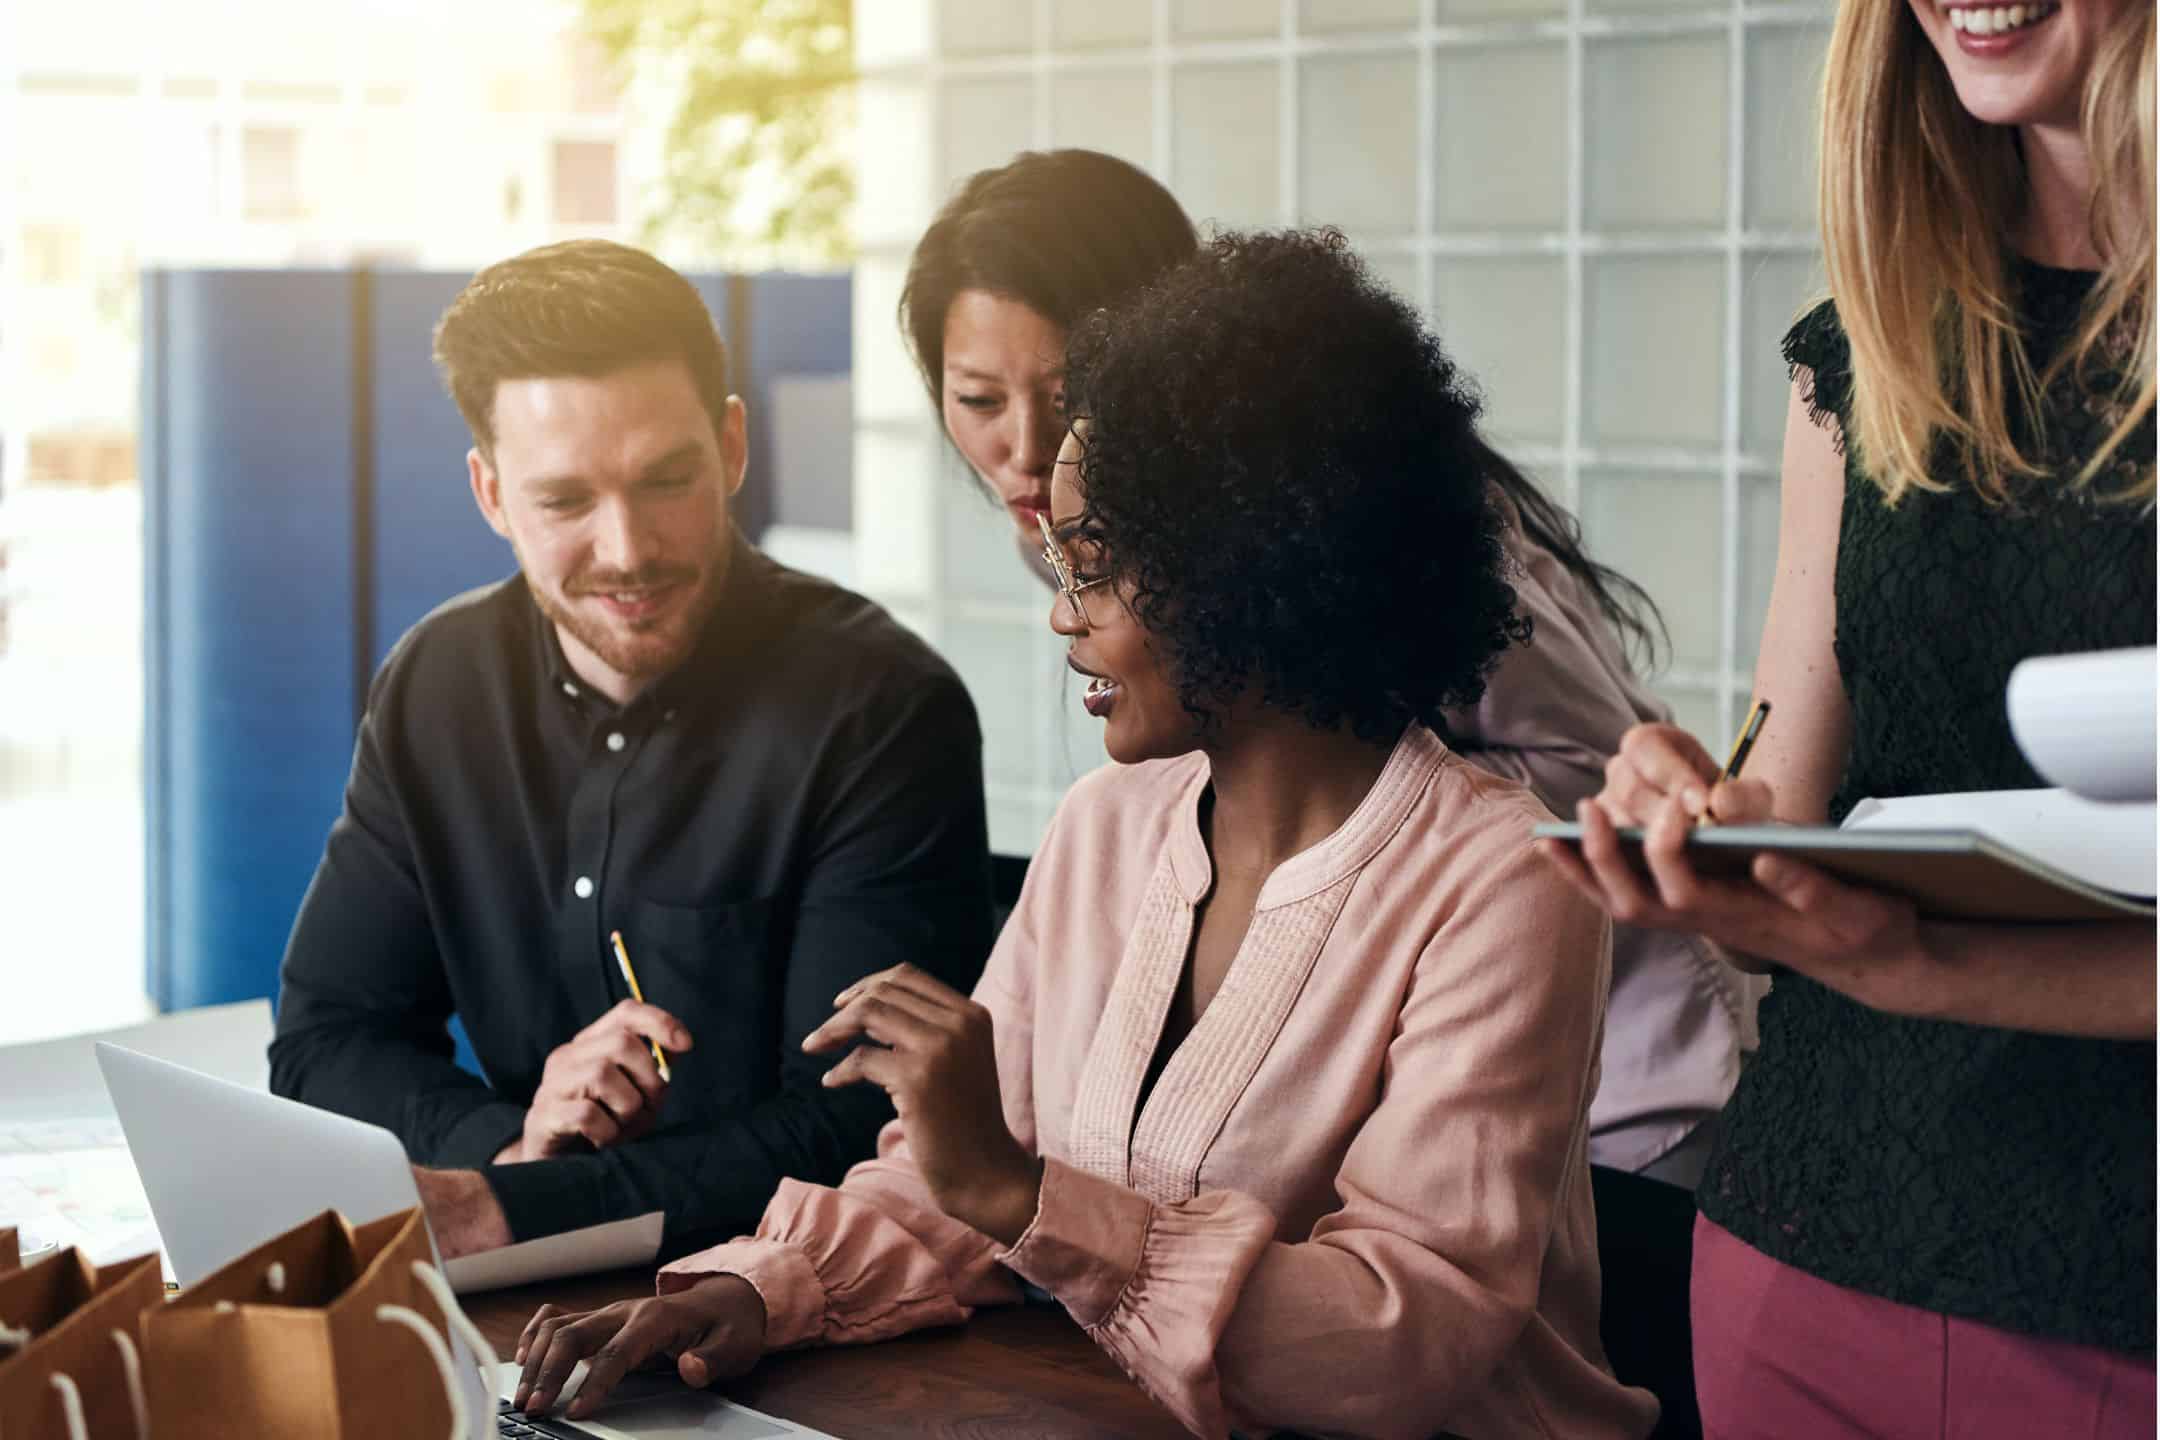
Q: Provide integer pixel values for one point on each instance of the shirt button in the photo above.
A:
(583, 888)
(615, 740)
(569, 689)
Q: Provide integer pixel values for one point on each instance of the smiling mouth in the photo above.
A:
(1101, 693)
(1982, 21)
(637, 603)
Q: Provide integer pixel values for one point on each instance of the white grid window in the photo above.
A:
(1606, 207)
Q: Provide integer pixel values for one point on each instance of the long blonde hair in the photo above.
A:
(1915, 194)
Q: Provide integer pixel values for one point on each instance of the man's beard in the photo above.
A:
(641, 654)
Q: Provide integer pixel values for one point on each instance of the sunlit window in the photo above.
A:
(217, 134)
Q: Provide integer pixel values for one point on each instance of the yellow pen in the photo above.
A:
(1734, 761)
(622, 959)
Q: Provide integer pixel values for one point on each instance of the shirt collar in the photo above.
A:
(1418, 753)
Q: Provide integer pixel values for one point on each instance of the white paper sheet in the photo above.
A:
(70, 1182)
(2087, 722)
(574, 1252)
(2110, 846)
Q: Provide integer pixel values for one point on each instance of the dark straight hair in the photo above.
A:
(1064, 232)
(1068, 232)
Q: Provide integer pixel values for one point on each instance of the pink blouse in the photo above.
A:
(1357, 1199)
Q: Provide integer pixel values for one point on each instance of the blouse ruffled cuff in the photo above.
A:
(781, 1274)
(1085, 1241)
(1154, 1285)
(831, 1268)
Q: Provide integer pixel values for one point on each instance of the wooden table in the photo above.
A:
(1026, 1371)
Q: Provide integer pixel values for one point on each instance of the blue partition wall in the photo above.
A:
(306, 501)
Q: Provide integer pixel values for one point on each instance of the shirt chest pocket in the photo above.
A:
(716, 969)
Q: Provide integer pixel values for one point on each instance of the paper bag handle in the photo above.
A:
(455, 1318)
(71, 1409)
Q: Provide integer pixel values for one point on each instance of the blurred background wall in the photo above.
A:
(1606, 209)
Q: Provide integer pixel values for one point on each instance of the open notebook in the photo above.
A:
(1992, 855)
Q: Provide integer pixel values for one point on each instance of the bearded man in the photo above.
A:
(764, 785)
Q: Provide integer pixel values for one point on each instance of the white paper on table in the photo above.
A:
(72, 1182)
(553, 1257)
(2086, 722)
(2108, 846)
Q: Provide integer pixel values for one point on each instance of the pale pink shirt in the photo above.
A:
(1357, 1199)
(1552, 715)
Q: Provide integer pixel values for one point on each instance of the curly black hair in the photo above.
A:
(1284, 467)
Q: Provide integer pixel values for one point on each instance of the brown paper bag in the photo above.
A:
(10, 1253)
(328, 1332)
(69, 1363)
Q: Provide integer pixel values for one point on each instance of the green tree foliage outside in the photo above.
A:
(758, 99)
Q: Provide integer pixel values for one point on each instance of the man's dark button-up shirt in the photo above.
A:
(798, 805)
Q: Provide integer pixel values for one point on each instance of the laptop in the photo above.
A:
(225, 1167)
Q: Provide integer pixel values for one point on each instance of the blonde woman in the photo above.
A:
(1932, 1208)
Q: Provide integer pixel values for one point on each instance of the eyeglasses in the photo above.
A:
(1067, 586)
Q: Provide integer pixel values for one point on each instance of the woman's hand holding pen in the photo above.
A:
(933, 1054)
(1657, 765)
(1864, 942)
(602, 1086)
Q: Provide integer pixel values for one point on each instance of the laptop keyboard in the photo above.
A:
(514, 1425)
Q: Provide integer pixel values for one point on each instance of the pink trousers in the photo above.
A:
(1781, 1355)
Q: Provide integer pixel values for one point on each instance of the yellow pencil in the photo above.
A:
(622, 959)
(1737, 758)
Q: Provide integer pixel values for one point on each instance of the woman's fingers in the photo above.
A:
(1666, 759)
(880, 1015)
(903, 977)
(1740, 802)
(722, 1353)
(868, 982)
(1664, 847)
(532, 1327)
(864, 1063)
(922, 985)
(643, 1335)
(1625, 896)
(561, 1342)
(1851, 914)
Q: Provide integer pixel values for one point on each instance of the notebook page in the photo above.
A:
(2110, 846)
(2086, 722)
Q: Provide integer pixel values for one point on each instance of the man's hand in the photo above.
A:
(462, 1211)
(714, 1329)
(602, 1086)
(934, 1055)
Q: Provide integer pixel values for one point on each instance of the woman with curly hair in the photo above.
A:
(1278, 1076)
(1932, 1210)
(1012, 263)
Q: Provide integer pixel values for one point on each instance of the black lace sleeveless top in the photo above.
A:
(1996, 1175)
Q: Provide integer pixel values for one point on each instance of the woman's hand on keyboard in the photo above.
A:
(714, 1330)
